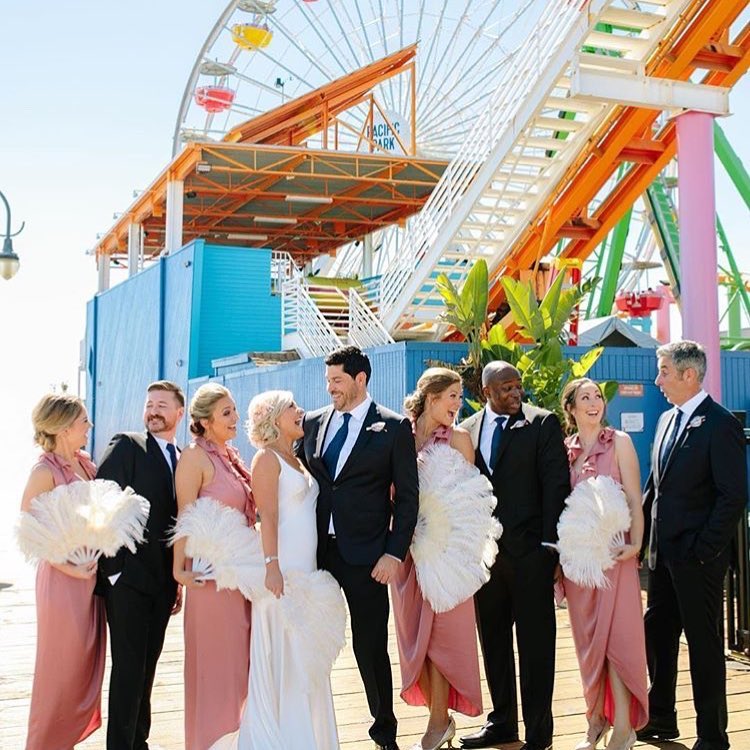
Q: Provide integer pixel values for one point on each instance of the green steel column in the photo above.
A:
(614, 264)
(732, 163)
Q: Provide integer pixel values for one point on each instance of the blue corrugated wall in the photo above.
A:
(170, 321)
(397, 367)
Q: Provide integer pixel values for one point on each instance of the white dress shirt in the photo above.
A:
(488, 430)
(359, 413)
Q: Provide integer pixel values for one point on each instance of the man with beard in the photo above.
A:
(520, 449)
(139, 591)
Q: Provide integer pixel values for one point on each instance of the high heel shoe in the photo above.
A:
(448, 735)
(627, 744)
(590, 744)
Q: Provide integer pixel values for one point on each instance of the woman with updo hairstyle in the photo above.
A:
(607, 623)
(71, 631)
(217, 623)
(438, 651)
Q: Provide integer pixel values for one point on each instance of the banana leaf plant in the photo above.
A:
(544, 368)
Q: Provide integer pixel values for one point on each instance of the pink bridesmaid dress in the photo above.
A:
(217, 625)
(447, 639)
(607, 623)
(71, 645)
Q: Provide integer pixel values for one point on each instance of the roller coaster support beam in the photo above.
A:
(698, 253)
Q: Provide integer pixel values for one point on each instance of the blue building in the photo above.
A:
(185, 316)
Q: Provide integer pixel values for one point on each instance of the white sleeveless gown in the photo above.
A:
(281, 712)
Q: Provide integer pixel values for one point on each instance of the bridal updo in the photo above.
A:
(52, 415)
(262, 414)
(432, 382)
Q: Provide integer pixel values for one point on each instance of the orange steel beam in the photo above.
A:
(701, 23)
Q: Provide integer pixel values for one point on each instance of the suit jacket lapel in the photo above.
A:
(155, 451)
(363, 438)
(323, 423)
(699, 412)
(508, 434)
(661, 429)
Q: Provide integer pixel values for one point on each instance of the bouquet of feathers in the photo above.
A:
(455, 540)
(591, 527)
(79, 522)
(226, 550)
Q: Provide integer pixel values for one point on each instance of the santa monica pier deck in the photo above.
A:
(17, 626)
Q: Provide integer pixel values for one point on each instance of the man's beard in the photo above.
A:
(157, 424)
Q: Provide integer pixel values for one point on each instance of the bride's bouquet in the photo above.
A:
(455, 540)
(591, 528)
(78, 522)
(226, 550)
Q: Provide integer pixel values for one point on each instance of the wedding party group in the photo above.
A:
(462, 529)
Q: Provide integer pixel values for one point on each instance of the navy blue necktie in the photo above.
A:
(172, 456)
(496, 437)
(333, 451)
(671, 440)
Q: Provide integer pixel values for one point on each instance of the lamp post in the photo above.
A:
(9, 262)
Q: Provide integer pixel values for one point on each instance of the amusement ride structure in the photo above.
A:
(375, 145)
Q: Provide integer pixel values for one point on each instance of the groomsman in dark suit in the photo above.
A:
(520, 448)
(357, 450)
(139, 591)
(695, 496)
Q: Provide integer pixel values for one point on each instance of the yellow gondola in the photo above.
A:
(249, 36)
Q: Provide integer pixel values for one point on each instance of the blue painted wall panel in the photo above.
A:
(237, 311)
(127, 353)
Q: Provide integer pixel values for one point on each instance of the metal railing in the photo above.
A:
(501, 119)
(365, 328)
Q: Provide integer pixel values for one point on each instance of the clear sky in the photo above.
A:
(90, 92)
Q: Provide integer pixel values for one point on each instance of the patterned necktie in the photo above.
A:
(496, 437)
(671, 440)
(333, 451)
(172, 456)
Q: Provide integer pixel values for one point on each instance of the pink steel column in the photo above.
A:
(663, 323)
(697, 224)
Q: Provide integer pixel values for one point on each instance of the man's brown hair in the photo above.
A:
(168, 385)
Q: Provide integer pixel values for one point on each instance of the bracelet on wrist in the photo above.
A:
(270, 558)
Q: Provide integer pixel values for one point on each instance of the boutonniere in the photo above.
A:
(695, 422)
(518, 425)
(376, 427)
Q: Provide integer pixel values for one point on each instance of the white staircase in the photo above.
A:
(518, 150)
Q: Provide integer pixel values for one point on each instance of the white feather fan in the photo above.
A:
(80, 521)
(312, 606)
(591, 527)
(455, 540)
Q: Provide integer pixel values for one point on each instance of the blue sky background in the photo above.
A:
(90, 92)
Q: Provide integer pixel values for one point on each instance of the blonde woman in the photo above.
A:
(438, 652)
(217, 623)
(607, 623)
(71, 631)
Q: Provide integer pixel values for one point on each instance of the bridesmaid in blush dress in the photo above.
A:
(438, 652)
(217, 623)
(71, 631)
(607, 623)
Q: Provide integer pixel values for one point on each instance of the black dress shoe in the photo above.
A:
(488, 736)
(533, 746)
(658, 732)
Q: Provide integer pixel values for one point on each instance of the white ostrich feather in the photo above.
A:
(591, 527)
(80, 521)
(455, 540)
(312, 606)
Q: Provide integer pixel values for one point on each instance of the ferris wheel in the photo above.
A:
(261, 53)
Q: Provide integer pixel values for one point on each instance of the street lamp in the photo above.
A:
(8, 259)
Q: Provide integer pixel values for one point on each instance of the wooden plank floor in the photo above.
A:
(17, 638)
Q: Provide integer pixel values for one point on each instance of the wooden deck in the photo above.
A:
(17, 638)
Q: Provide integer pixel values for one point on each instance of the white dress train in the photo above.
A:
(284, 711)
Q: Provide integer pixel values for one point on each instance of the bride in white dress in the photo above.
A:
(284, 710)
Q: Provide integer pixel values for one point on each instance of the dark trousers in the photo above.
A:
(519, 592)
(368, 609)
(688, 596)
(137, 623)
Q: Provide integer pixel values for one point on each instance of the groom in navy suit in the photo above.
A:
(357, 451)
(694, 498)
